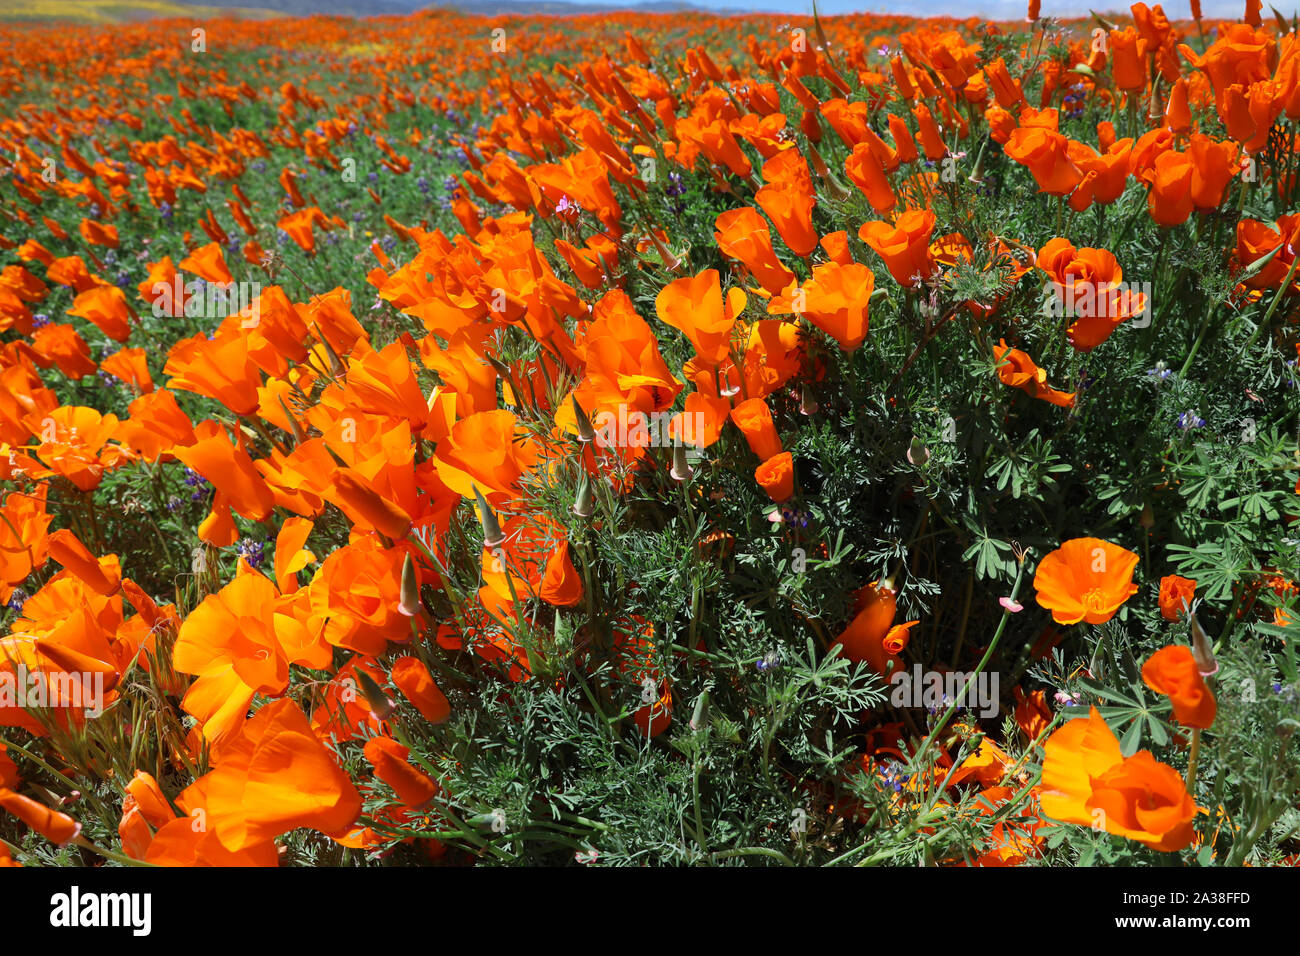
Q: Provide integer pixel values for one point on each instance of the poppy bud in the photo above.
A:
(492, 535)
(680, 470)
(410, 602)
(337, 369)
(1202, 652)
(917, 453)
(586, 433)
(381, 705)
(582, 507)
(59, 828)
(1148, 519)
(298, 436)
(807, 404)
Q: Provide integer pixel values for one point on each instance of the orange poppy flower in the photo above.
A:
(414, 680)
(219, 368)
(864, 169)
(872, 635)
(413, 786)
(743, 234)
(836, 299)
(62, 346)
(1033, 714)
(1087, 780)
(788, 199)
(73, 445)
(24, 546)
(230, 469)
(486, 450)
(754, 419)
(776, 476)
(130, 366)
(1018, 370)
(156, 426)
(695, 306)
(59, 828)
(1175, 592)
(1085, 579)
(229, 642)
(1172, 671)
(273, 777)
(1088, 285)
(356, 595)
(1046, 154)
(105, 306)
(904, 246)
(209, 263)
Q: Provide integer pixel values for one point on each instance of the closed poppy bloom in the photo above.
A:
(1172, 671)
(872, 635)
(1176, 595)
(1018, 370)
(1085, 579)
(59, 828)
(413, 786)
(1033, 714)
(561, 585)
(776, 475)
(100, 575)
(1087, 780)
(273, 777)
(414, 680)
(754, 419)
(865, 171)
(1170, 199)
(1128, 60)
(788, 199)
(105, 306)
(904, 246)
(357, 497)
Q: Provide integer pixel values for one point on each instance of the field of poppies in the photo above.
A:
(650, 440)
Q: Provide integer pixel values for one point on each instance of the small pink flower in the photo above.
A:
(1012, 605)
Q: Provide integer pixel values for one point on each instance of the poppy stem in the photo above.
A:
(1193, 757)
(979, 669)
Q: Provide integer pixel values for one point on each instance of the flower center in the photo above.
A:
(1094, 599)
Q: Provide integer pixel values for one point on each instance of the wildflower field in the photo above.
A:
(635, 439)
